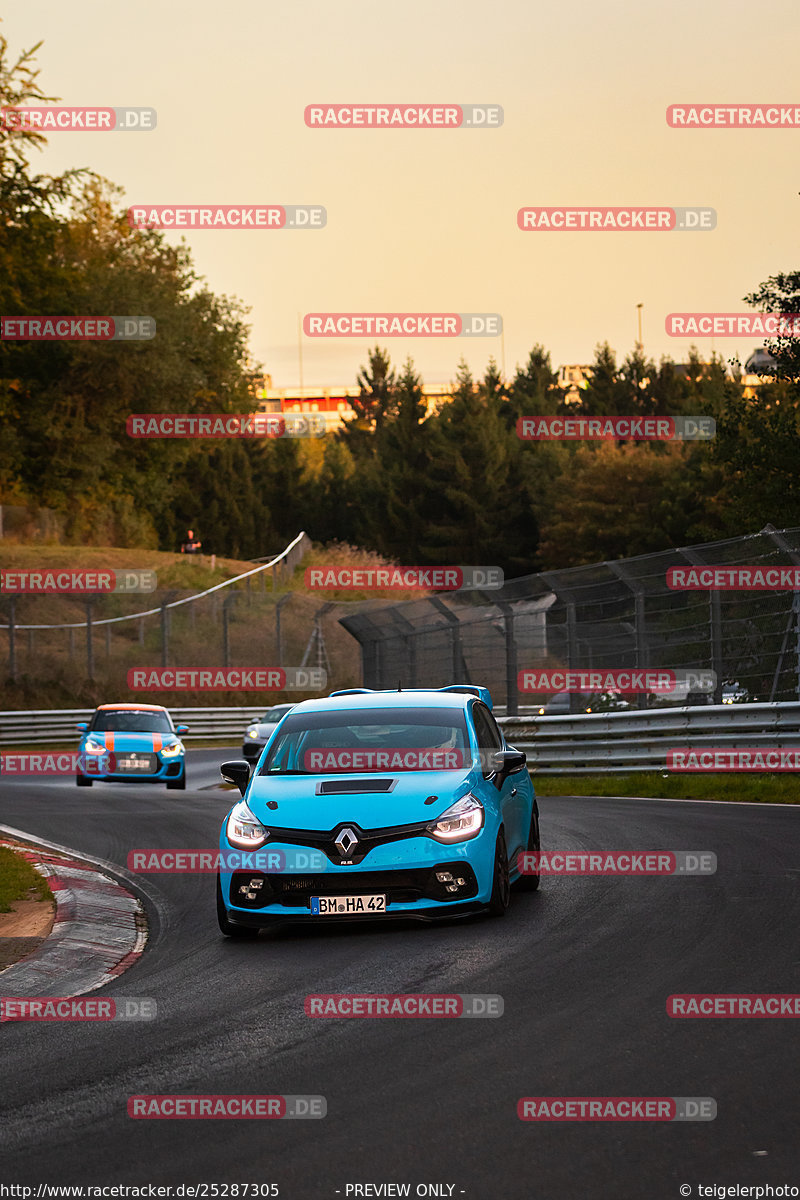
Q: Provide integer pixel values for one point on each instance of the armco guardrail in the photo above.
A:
(594, 744)
(619, 743)
(43, 727)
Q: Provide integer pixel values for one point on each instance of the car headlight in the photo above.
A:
(253, 733)
(94, 747)
(243, 830)
(171, 751)
(463, 820)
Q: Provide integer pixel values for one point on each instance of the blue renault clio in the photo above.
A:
(369, 805)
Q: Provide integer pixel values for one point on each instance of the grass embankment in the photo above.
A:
(18, 880)
(753, 789)
(52, 670)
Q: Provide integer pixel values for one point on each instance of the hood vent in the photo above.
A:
(355, 787)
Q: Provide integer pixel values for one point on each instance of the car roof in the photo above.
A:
(131, 708)
(408, 698)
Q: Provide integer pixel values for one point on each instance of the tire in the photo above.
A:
(245, 932)
(83, 781)
(530, 883)
(177, 785)
(501, 885)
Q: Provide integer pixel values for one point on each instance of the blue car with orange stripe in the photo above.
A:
(132, 743)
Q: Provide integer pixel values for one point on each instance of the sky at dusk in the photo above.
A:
(426, 220)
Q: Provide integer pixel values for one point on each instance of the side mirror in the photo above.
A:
(82, 726)
(509, 762)
(236, 772)
(179, 729)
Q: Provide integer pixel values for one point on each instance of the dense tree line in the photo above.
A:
(449, 486)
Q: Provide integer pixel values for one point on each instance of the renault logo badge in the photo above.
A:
(346, 841)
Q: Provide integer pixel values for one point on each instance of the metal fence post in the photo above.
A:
(512, 693)
(639, 622)
(12, 643)
(166, 627)
(89, 648)
(278, 639)
(226, 616)
(714, 625)
(455, 638)
(164, 634)
(409, 642)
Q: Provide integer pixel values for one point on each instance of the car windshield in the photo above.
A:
(274, 715)
(132, 722)
(368, 740)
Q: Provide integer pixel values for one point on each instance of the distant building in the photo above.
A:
(573, 379)
(758, 370)
(333, 402)
(760, 362)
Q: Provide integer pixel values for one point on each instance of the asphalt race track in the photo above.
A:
(584, 966)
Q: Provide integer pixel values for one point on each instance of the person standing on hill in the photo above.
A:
(192, 545)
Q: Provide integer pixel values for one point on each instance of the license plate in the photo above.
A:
(327, 906)
(134, 764)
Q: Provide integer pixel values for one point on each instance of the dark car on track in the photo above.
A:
(259, 732)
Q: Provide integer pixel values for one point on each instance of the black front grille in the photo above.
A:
(399, 886)
(367, 839)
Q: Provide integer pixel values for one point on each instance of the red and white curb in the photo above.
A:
(100, 927)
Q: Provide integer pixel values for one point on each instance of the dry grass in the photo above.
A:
(52, 665)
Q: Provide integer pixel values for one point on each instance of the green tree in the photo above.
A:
(604, 395)
(616, 501)
(534, 389)
(376, 402)
(66, 248)
(398, 499)
(483, 513)
(781, 294)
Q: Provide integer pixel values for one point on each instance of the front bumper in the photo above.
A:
(405, 872)
(252, 750)
(172, 768)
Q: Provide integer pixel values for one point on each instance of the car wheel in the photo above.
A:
(177, 785)
(226, 926)
(529, 883)
(83, 781)
(501, 885)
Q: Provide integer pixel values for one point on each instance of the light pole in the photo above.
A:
(639, 308)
